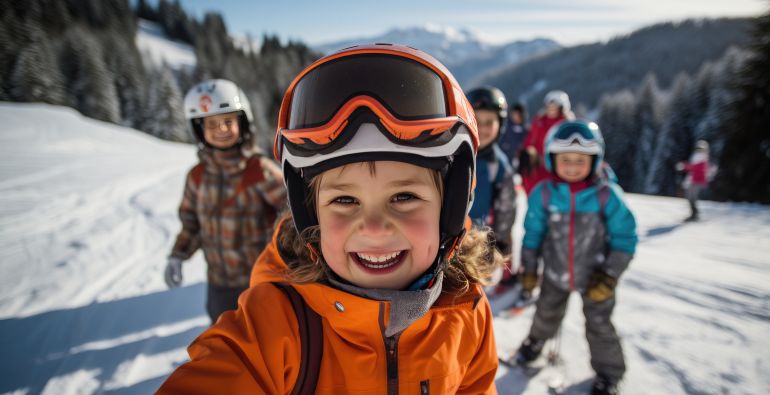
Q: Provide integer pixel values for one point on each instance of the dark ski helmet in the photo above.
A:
(489, 98)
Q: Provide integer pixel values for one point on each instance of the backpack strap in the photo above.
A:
(252, 174)
(311, 339)
(196, 174)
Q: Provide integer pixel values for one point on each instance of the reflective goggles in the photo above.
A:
(576, 137)
(412, 96)
(575, 143)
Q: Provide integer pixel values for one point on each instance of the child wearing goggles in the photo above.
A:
(231, 197)
(578, 225)
(373, 284)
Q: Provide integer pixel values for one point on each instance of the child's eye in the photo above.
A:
(344, 200)
(403, 197)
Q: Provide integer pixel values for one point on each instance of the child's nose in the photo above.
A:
(375, 223)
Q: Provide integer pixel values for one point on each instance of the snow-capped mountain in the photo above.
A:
(449, 45)
(464, 52)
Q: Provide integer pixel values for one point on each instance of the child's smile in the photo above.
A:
(379, 263)
(379, 222)
(221, 131)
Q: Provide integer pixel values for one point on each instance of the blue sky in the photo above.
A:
(569, 22)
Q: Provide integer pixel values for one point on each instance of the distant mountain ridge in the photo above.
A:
(467, 55)
(586, 72)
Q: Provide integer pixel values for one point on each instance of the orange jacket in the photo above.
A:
(256, 350)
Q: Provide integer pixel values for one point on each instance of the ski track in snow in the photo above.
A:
(88, 216)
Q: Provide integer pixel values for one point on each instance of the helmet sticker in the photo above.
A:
(205, 103)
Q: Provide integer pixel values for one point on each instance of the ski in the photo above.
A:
(557, 374)
(556, 368)
(528, 369)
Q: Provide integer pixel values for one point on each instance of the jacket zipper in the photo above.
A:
(571, 241)
(391, 353)
(391, 347)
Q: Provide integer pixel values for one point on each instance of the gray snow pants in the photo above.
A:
(692, 193)
(603, 341)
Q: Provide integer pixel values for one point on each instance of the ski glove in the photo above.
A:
(528, 281)
(528, 284)
(173, 273)
(601, 287)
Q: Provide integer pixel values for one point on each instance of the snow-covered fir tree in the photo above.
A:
(744, 165)
(616, 121)
(649, 106)
(660, 177)
(36, 76)
(164, 113)
(91, 86)
(129, 77)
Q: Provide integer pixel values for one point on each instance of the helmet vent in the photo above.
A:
(224, 105)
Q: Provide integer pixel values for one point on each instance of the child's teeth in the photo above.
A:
(376, 259)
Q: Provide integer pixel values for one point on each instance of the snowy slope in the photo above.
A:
(88, 214)
(87, 217)
(158, 48)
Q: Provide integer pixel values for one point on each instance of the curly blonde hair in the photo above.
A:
(473, 262)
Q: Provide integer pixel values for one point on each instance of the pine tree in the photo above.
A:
(675, 132)
(91, 86)
(744, 173)
(125, 63)
(648, 117)
(164, 114)
(616, 120)
(36, 76)
(145, 11)
(721, 98)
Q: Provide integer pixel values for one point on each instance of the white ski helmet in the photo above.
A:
(560, 98)
(702, 145)
(214, 97)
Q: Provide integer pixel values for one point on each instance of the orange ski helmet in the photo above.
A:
(378, 102)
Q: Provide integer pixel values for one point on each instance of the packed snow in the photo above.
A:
(88, 215)
(155, 45)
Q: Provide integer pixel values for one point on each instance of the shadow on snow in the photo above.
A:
(40, 347)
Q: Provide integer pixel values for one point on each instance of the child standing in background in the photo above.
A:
(514, 133)
(698, 174)
(494, 200)
(579, 225)
(231, 198)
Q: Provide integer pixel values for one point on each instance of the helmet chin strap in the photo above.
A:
(446, 250)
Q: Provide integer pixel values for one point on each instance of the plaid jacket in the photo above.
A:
(229, 205)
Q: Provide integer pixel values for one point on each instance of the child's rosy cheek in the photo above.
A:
(334, 223)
